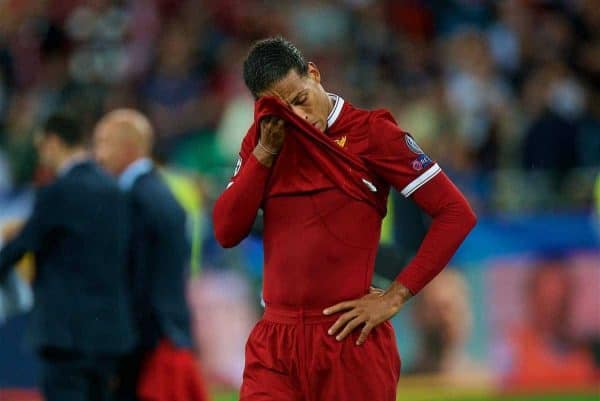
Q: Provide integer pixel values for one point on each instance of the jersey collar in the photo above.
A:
(336, 110)
(133, 172)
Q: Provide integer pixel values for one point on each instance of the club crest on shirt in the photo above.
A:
(341, 141)
(421, 162)
(412, 145)
(238, 165)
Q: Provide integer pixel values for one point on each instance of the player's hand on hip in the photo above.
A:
(368, 311)
(272, 135)
(376, 290)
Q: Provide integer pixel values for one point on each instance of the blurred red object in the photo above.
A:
(42, 176)
(171, 374)
(412, 18)
(20, 395)
(538, 366)
(544, 352)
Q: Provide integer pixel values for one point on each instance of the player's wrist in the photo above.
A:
(397, 295)
(263, 156)
(267, 149)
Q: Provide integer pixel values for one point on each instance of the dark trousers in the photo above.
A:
(72, 376)
(129, 374)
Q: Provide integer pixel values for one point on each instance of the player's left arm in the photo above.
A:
(396, 158)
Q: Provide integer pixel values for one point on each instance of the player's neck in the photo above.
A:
(331, 104)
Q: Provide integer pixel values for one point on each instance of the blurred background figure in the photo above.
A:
(443, 319)
(15, 292)
(78, 231)
(543, 352)
(597, 197)
(161, 365)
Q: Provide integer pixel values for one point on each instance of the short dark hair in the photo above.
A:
(66, 128)
(269, 60)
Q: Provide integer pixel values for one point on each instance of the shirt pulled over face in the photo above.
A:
(325, 200)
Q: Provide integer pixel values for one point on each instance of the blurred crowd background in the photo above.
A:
(505, 95)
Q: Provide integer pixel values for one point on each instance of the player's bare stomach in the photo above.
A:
(319, 249)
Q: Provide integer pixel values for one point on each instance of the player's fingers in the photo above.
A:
(342, 320)
(279, 128)
(364, 333)
(264, 126)
(339, 307)
(350, 326)
(267, 122)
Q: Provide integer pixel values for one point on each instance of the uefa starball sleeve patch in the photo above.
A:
(424, 168)
(420, 162)
(238, 166)
(412, 145)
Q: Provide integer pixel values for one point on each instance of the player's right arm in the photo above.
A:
(236, 208)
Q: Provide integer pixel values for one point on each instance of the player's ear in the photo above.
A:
(314, 72)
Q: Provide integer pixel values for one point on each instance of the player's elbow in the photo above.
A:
(470, 218)
(224, 227)
(227, 242)
(462, 215)
(225, 234)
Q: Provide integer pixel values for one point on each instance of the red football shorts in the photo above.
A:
(290, 357)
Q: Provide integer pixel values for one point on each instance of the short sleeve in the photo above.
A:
(396, 157)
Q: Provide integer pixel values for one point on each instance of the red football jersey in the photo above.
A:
(320, 246)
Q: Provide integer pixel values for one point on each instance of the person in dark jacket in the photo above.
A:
(78, 232)
(159, 246)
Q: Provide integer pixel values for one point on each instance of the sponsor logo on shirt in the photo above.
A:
(421, 162)
(341, 141)
(412, 145)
